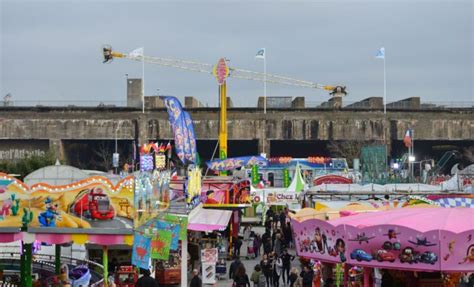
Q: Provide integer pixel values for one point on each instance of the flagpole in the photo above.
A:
(264, 81)
(384, 87)
(143, 81)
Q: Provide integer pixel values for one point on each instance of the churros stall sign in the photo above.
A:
(92, 205)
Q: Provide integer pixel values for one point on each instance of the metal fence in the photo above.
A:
(272, 103)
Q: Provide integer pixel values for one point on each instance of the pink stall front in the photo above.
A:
(410, 239)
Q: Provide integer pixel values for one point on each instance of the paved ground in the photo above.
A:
(248, 263)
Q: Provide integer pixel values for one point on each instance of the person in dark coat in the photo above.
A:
(282, 219)
(196, 281)
(286, 259)
(267, 269)
(267, 246)
(241, 279)
(237, 245)
(307, 275)
(233, 266)
(256, 245)
(146, 280)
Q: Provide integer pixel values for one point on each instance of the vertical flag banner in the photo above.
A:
(181, 123)
(141, 251)
(174, 228)
(182, 221)
(255, 177)
(286, 178)
(160, 245)
(191, 137)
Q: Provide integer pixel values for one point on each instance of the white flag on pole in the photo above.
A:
(380, 54)
(260, 54)
(136, 53)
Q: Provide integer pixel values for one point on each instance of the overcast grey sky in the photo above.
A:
(51, 50)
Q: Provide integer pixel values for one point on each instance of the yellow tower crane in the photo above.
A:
(221, 71)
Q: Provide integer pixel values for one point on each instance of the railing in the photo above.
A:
(398, 105)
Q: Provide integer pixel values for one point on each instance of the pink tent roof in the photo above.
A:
(456, 220)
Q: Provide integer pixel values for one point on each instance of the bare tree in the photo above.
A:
(104, 155)
(348, 149)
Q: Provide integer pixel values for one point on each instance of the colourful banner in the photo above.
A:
(141, 251)
(181, 123)
(236, 162)
(182, 221)
(174, 228)
(160, 245)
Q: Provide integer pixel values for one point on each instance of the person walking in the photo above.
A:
(237, 245)
(255, 277)
(146, 280)
(241, 279)
(282, 219)
(277, 270)
(288, 235)
(267, 269)
(196, 281)
(278, 247)
(267, 246)
(256, 244)
(286, 259)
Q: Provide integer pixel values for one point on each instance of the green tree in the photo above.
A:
(27, 165)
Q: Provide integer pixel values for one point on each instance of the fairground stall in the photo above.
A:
(434, 240)
(92, 210)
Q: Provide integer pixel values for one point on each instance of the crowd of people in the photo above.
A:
(275, 268)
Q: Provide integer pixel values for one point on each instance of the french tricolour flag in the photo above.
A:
(407, 140)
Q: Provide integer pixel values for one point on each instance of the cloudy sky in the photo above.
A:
(50, 51)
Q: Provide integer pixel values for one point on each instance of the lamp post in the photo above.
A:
(411, 161)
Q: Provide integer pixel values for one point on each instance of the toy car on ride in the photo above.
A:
(384, 255)
(361, 255)
(427, 257)
(408, 255)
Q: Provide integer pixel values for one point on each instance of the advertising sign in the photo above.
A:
(236, 162)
